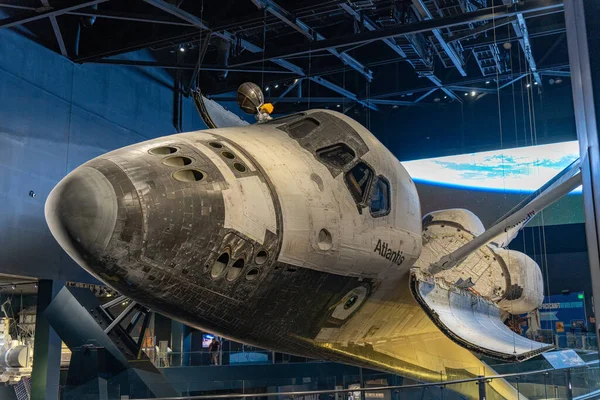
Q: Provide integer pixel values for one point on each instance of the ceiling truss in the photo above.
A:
(448, 30)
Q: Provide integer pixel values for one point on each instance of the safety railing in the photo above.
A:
(567, 383)
(577, 383)
(234, 357)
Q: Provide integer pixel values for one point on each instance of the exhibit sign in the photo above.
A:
(563, 312)
(563, 359)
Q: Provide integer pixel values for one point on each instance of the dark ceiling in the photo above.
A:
(368, 54)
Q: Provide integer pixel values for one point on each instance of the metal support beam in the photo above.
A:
(518, 78)
(289, 89)
(470, 88)
(436, 81)
(400, 30)
(178, 12)
(163, 5)
(581, 18)
(295, 23)
(120, 317)
(501, 37)
(495, 25)
(426, 15)
(423, 96)
(520, 28)
(44, 13)
(152, 64)
(556, 73)
(481, 29)
(113, 302)
(367, 23)
(57, 33)
(128, 16)
(332, 100)
(45, 377)
(391, 43)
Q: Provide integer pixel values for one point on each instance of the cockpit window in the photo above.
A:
(358, 180)
(285, 119)
(302, 128)
(338, 155)
(380, 203)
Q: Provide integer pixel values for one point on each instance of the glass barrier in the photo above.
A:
(582, 341)
(570, 383)
(171, 359)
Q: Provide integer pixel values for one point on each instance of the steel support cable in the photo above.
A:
(197, 94)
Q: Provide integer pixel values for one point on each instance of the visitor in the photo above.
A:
(213, 350)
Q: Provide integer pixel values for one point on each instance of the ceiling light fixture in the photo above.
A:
(267, 89)
(473, 93)
(529, 85)
(487, 82)
(276, 86)
(181, 48)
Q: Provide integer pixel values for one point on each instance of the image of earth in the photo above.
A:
(522, 169)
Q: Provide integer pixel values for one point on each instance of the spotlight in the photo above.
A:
(276, 86)
(338, 106)
(466, 94)
(535, 83)
(267, 89)
(445, 97)
(13, 287)
(35, 286)
(295, 80)
(181, 48)
(487, 82)
(529, 85)
(473, 93)
(558, 80)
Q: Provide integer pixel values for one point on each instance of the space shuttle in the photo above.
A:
(303, 234)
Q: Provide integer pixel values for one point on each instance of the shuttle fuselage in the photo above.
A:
(296, 235)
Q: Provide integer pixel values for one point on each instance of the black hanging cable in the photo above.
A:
(264, 48)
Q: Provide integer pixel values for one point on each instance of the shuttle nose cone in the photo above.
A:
(81, 212)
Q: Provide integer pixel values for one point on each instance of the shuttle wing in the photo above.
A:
(471, 320)
(467, 282)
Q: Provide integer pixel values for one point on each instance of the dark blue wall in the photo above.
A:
(54, 116)
(435, 130)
